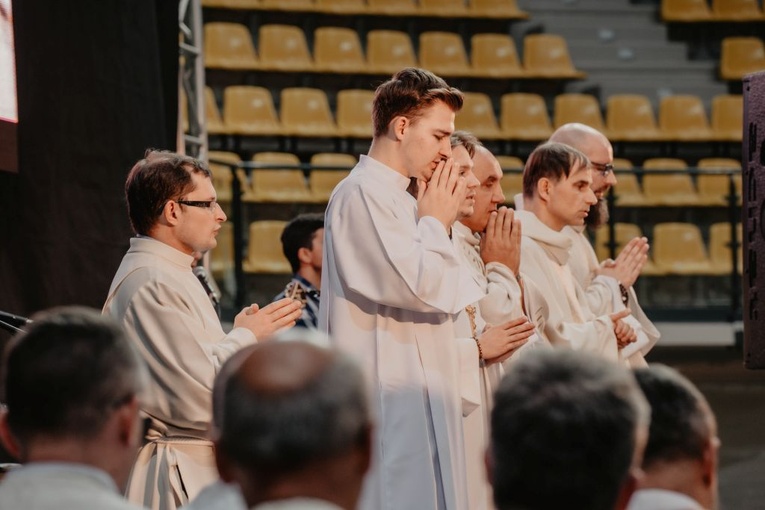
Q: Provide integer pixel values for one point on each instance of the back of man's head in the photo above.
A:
(465, 139)
(407, 94)
(154, 180)
(683, 432)
(551, 160)
(566, 433)
(294, 411)
(67, 374)
(299, 233)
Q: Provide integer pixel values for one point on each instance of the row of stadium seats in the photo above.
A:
(250, 111)
(285, 181)
(676, 248)
(507, 9)
(721, 10)
(741, 56)
(339, 50)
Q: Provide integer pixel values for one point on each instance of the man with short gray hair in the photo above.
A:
(568, 431)
(295, 430)
(71, 388)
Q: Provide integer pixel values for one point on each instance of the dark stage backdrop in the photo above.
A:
(97, 85)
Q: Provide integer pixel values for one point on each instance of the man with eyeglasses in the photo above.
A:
(607, 285)
(167, 314)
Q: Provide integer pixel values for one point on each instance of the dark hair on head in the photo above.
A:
(158, 177)
(407, 94)
(467, 140)
(681, 421)
(67, 373)
(564, 432)
(553, 161)
(299, 233)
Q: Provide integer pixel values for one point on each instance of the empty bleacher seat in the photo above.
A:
(338, 50)
(222, 176)
(354, 113)
(683, 118)
(494, 55)
(340, 6)
(673, 189)
(728, 117)
(583, 108)
(496, 9)
(736, 10)
(714, 189)
(389, 51)
(685, 10)
(322, 182)
(215, 123)
(278, 184)
(287, 5)
(444, 54)
(264, 248)
(547, 56)
(630, 118)
(678, 248)
(720, 248)
(444, 8)
(477, 116)
(524, 117)
(283, 48)
(398, 7)
(627, 189)
(741, 56)
(229, 46)
(305, 112)
(249, 110)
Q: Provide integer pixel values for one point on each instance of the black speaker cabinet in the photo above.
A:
(753, 219)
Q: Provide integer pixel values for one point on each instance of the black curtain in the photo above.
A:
(97, 85)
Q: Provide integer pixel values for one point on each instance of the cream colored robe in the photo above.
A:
(168, 316)
(391, 285)
(568, 320)
(604, 297)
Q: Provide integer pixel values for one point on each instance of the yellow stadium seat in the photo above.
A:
(279, 184)
(736, 10)
(524, 117)
(306, 112)
(338, 50)
(741, 56)
(283, 48)
(495, 56)
(389, 51)
(222, 256)
(673, 189)
(444, 54)
(212, 114)
(682, 118)
(249, 110)
(232, 4)
(714, 189)
(728, 117)
(402, 7)
(496, 9)
(679, 249)
(720, 249)
(322, 182)
(627, 189)
(354, 113)
(477, 116)
(547, 56)
(229, 46)
(287, 5)
(222, 176)
(685, 10)
(630, 118)
(444, 8)
(264, 248)
(582, 108)
(341, 6)
(511, 182)
(624, 233)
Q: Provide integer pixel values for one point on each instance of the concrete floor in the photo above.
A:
(737, 396)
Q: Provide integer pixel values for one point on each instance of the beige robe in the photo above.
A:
(391, 284)
(604, 297)
(168, 316)
(567, 321)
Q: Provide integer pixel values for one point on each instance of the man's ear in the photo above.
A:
(543, 188)
(170, 213)
(7, 438)
(129, 427)
(709, 461)
(398, 127)
(304, 255)
(628, 487)
(225, 466)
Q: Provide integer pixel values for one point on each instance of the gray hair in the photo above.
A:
(564, 432)
(67, 373)
(274, 431)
